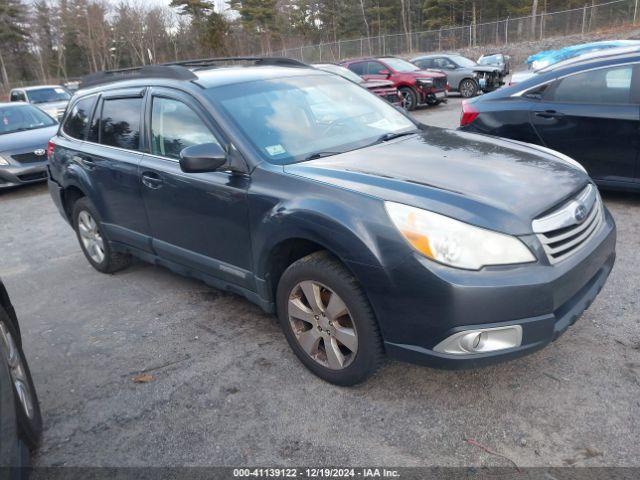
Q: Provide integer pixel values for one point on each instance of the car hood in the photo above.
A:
(29, 139)
(370, 84)
(490, 182)
(426, 73)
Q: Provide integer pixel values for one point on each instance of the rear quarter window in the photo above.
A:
(78, 118)
(604, 86)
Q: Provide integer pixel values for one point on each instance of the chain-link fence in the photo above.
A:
(500, 33)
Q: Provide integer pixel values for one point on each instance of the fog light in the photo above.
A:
(483, 340)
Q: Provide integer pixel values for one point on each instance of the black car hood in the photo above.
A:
(28, 139)
(486, 181)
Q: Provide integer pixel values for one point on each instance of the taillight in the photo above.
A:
(51, 147)
(469, 113)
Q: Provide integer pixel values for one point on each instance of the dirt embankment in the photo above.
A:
(521, 50)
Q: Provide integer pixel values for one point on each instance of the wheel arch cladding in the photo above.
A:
(70, 195)
(292, 233)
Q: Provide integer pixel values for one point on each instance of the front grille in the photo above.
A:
(569, 228)
(440, 83)
(29, 157)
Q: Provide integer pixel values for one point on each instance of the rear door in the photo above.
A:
(594, 117)
(197, 219)
(110, 158)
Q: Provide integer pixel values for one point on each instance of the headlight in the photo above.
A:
(3, 161)
(426, 82)
(456, 243)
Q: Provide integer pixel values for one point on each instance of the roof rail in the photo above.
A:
(174, 72)
(181, 70)
(209, 62)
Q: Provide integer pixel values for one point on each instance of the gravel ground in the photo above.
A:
(226, 390)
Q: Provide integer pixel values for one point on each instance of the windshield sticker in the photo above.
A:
(275, 150)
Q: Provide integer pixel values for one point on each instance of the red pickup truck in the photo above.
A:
(417, 87)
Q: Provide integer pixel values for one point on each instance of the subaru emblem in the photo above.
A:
(580, 213)
(39, 152)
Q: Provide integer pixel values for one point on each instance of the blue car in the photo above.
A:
(549, 57)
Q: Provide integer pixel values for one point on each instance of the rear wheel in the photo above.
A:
(91, 237)
(409, 98)
(468, 88)
(328, 321)
(28, 408)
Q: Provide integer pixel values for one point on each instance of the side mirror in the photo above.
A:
(385, 72)
(206, 157)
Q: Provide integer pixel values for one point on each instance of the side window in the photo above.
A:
(359, 68)
(605, 86)
(175, 126)
(18, 96)
(426, 63)
(374, 68)
(76, 123)
(120, 122)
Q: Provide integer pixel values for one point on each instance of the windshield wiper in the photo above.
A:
(391, 135)
(316, 155)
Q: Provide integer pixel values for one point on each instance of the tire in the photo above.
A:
(354, 322)
(29, 422)
(468, 88)
(409, 98)
(93, 242)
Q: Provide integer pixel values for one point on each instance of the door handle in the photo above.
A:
(151, 180)
(549, 114)
(86, 162)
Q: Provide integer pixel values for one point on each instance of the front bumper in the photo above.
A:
(14, 175)
(422, 303)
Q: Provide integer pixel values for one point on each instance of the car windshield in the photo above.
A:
(49, 94)
(400, 65)
(343, 72)
(490, 60)
(463, 61)
(17, 118)
(293, 119)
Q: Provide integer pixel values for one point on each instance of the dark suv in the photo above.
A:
(366, 232)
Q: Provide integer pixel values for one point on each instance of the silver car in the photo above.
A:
(51, 99)
(464, 75)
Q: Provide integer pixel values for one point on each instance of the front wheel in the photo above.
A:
(468, 88)
(409, 98)
(328, 321)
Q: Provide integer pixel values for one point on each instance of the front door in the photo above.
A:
(594, 117)
(198, 220)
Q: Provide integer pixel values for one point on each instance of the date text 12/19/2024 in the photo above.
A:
(315, 473)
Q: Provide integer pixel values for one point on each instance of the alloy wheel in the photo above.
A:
(18, 372)
(467, 89)
(322, 324)
(90, 236)
(407, 100)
